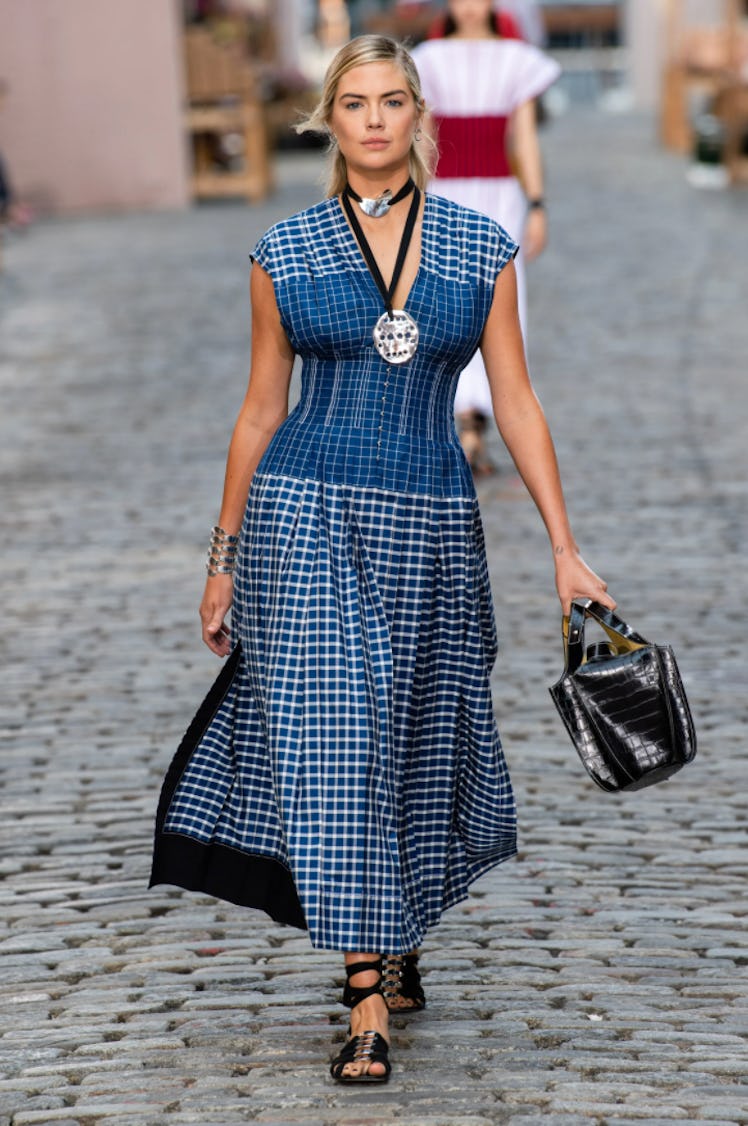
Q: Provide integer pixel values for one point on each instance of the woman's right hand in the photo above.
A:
(216, 603)
(575, 579)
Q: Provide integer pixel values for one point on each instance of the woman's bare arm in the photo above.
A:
(522, 424)
(264, 407)
(528, 157)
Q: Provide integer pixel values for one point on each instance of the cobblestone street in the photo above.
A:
(603, 977)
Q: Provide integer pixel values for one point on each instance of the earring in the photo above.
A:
(417, 133)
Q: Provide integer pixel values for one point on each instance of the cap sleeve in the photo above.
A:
(264, 253)
(507, 250)
(533, 72)
(267, 254)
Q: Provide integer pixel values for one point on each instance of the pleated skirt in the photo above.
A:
(345, 773)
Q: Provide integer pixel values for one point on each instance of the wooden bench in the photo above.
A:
(222, 100)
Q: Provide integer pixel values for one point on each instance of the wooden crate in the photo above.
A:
(223, 99)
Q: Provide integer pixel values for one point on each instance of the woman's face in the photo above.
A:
(472, 17)
(374, 117)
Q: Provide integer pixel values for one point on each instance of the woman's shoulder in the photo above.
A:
(455, 218)
(434, 52)
(429, 47)
(301, 224)
(440, 49)
(285, 247)
(469, 76)
(440, 57)
(468, 236)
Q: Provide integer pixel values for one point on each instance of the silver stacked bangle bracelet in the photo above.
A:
(221, 553)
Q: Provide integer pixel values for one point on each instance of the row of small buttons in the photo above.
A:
(381, 414)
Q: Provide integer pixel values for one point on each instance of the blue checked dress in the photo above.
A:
(345, 772)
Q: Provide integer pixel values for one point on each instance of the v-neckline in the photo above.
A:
(358, 253)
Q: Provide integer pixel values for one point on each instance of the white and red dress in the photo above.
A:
(472, 87)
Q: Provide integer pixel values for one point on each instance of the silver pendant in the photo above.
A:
(396, 337)
(378, 207)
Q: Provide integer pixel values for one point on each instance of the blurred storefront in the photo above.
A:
(116, 104)
(121, 104)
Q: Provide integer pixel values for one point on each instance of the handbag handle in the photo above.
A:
(624, 638)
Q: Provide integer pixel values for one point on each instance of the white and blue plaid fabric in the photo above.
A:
(356, 745)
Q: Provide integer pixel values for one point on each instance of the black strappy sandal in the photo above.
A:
(401, 981)
(368, 1047)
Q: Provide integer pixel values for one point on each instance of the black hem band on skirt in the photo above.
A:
(227, 873)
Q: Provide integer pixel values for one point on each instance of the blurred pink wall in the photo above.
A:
(92, 114)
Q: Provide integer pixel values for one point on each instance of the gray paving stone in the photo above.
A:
(637, 1121)
(547, 1119)
(82, 1114)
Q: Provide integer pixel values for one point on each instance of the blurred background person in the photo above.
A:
(480, 88)
(505, 25)
(13, 212)
(528, 17)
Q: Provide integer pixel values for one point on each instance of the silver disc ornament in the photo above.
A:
(378, 207)
(396, 337)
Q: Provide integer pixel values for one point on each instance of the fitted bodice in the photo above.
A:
(361, 420)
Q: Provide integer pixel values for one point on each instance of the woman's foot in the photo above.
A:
(364, 1056)
(401, 983)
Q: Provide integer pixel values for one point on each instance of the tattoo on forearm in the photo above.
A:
(558, 550)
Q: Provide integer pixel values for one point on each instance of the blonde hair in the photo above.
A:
(367, 49)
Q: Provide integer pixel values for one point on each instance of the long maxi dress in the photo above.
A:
(472, 87)
(345, 772)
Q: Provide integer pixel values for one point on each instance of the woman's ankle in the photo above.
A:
(370, 1014)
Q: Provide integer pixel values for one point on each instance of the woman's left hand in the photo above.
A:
(574, 579)
(535, 235)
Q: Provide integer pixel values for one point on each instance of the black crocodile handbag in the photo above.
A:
(623, 703)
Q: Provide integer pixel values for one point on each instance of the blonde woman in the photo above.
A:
(345, 773)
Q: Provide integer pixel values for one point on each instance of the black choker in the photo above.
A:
(378, 207)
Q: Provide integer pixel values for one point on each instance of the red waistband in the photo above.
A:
(472, 147)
